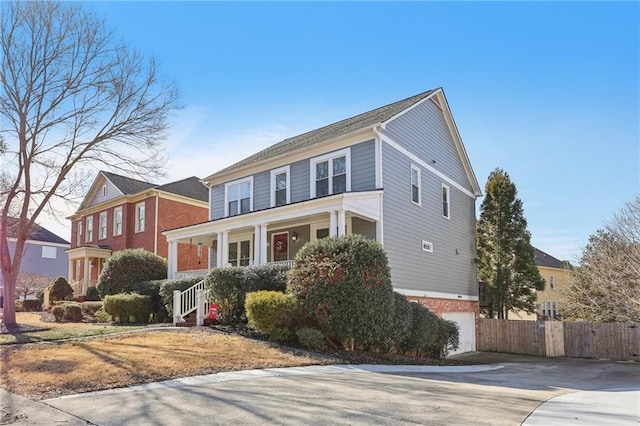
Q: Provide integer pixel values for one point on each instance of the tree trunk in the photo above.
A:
(9, 298)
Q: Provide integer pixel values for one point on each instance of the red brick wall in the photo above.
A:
(438, 306)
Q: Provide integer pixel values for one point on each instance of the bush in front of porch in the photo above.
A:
(126, 268)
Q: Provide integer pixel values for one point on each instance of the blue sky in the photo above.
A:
(550, 92)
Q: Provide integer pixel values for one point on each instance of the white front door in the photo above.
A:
(467, 325)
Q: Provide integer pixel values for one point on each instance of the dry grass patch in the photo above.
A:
(45, 371)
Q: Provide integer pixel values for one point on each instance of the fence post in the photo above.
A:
(177, 314)
(200, 308)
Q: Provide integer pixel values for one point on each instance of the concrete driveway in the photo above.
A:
(364, 396)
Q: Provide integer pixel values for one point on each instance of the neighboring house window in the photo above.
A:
(140, 217)
(117, 221)
(239, 196)
(49, 252)
(331, 173)
(415, 184)
(552, 282)
(79, 236)
(104, 190)
(89, 229)
(103, 226)
(550, 309)
(445, 201)
(280, 184)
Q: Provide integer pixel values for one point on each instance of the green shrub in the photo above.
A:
(19, 306)
(424, 331)
(272, 313)
(167, 287)
(90, 308)
(102, 316)
(72, 312)
(32, 305)
(58, 312)
(60, 289)
(266, 277)
(93, 295)
(152, 289)
(128, 307)
(128, 267)
(40, 297)
(312, 339)
(344, 285)
(400, 330)
(448, 337)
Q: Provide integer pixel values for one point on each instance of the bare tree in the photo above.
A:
(29, 284)
(606, 287)
(71, 96)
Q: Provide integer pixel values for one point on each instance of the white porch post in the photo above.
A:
(225, 248)
(333, 223)
(172, 259)
(342, 223)
(85, 283)
(200, 308)
(219, 251)
(71, 278)
(257, 234)
(263, 243)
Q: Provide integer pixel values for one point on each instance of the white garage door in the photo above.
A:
(467, 323)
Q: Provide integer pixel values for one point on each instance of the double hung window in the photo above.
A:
(331, 173)
(280, 184)
(415, 184)
(239, 197)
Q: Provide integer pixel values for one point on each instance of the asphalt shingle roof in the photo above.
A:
(339, 128)
(38, 233)
(190, 187)
(126, 185)
(543, 259)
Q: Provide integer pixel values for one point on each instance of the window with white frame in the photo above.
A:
(550, 308)
(104, 190)
(445, 201)
(89, 237)
(238, 197)
(552, 282)
(280, 186)
(49, 252)
(102, 233)
(331, 173)
(79, 234)
(140, 216)
(117, 221)
(415, 184)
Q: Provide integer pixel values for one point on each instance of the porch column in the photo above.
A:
(219, 251)
(263, 243)
(333, 223)
(225, 248)
(257, 235)
(85, 283)
(342, 223)
(172, 259)
(71, 278)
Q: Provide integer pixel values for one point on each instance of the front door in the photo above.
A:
(280, 247)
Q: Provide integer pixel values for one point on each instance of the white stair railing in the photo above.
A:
(185, 302)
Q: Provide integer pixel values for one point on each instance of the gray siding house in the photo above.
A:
(398, 174)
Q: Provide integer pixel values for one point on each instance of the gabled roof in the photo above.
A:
(127, 185)
(545, 260)
(190, 187)
(38, 233)
(339, 128)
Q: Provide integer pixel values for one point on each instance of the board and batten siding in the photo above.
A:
(424, 132)
(450, 268)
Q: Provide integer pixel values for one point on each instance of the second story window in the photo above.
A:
(239, 197)
(79, 234)
(280, 184)
(104, 190)
(552, 282)
(117, 221)
(140, 217)
(415, 184)
(331, 173)
(89, 229)
(445, 201)
(103, 226)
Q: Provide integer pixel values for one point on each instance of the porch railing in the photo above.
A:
(282, 263)
(193, 273)
(185, 302)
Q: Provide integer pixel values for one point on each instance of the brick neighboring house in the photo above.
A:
(120, 213)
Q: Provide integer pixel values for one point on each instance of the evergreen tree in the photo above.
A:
(505, 254)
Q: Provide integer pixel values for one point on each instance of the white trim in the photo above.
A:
(79, 233)
(448, 216)
(155, 226)
(436, 294)
(378, 160)
(136, 215)
(404, 111)
(422, 163)
(106, 225)
(273, 247)
(40, 243)
(88, 232)
(238, 182)
(49, 248)
(417, 169)
(115, 210)
(328, 157)
(427, 246)
(272, 190)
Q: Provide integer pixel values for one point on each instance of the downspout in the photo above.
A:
(155, 233)
(379, 180)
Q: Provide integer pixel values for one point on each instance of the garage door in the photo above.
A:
(467, 324)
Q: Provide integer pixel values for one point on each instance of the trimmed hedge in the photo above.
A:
(152, 289)
(93, 295)
(32, 305)
(228, 286)
(102, 316)
(272, 313)
(58, 312)
(167, 287)
(60, 289)
(344, 285)
(128, 307)
(397, 340)
(312, 339)
(72, 312)
(126, 268)
(90, 308)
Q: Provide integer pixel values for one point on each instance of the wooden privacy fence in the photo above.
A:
(614, 341)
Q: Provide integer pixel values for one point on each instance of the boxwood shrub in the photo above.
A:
(344, 285)
(128, 307)
(272, 313)
(72, 312)
(129, 267)
(90, 308)
(58, 312)
(312, 339)
(32, 305)
(60, 289)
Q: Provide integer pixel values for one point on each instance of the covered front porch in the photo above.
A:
(85, 266)
(276, 234)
